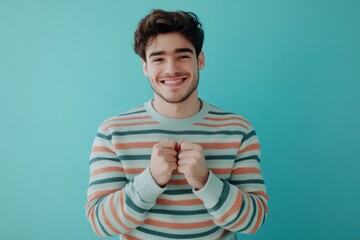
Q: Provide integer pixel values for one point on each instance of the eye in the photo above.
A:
(157, 60)
(184, 57)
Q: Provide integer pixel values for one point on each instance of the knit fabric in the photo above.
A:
(123, 198)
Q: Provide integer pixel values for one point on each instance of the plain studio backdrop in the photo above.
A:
(291, 67)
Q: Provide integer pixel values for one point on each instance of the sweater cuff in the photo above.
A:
(146, 186)
(211, 192)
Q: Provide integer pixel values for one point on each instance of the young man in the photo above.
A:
(175, 167)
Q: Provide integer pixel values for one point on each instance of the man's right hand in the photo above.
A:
(163, 161)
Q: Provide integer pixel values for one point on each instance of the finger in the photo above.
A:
(190, 146)
(166, 144)
(185, 154)
(178, 145)
(171, 159)
(167, 152)
(173, 166)
(190, 154)
(181, 169)
(184, 161)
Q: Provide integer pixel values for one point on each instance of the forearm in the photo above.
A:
(117, 211)
(232, 208)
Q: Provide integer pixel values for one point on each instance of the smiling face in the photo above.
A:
(173, 68)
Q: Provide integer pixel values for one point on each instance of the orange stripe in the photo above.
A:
(220, 145)
(122, 209)
(102, 149)
(248, 170)
(101, 193)
(127, 237)
(115, 214)
(107, 169)
(223, 234)
(233, 210)
(134, 145)
(107, 221)
(125, 119)
(220, 170)
(261, 194)
(176, 172)
(258, 221)
(179, 225)
(220, 125)
(130, 124)
(251, 147)
(225, 119)
(265, 196)
(243, 219)
(178, 182)
(92, 218)
(188, 202)
(134, 170)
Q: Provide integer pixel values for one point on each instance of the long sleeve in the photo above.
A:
(115, 204)
(123, 198)
(240, 203)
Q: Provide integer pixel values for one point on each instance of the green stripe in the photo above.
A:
(220, 113)
(108, 180)
(220, 157)
(96, 159)
(100, 135)
(178, 192)
(224, 195)
(148, 157)
(161, 131)
(97, 217)
(251, 181)
(252, 157)
(134, 157)
(132, 205)
(179, 212)
(177, 236)
(253, 215)
(249, 135)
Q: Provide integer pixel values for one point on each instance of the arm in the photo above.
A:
(116, 205)
(240, 204)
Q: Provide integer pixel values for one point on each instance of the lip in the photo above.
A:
(173, 82)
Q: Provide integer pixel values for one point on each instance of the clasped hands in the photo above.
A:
(185, 157)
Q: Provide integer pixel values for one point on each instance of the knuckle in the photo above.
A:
(197, 155)
(199, 148)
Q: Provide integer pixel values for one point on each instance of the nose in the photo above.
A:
(171, 67)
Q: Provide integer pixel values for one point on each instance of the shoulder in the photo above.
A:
(128, 117)
(221, 116)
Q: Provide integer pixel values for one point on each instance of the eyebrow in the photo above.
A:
(182, 50)
(178, 50)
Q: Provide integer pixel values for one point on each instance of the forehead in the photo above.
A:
(168, 43)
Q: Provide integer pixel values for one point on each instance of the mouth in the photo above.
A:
(173, 82)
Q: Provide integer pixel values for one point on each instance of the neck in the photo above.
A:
(184, 109)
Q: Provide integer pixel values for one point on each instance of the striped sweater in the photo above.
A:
(123, 198)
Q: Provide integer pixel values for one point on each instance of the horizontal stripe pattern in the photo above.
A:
(122, 150)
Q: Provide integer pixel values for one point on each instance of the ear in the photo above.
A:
(144, 66)
(201, 60)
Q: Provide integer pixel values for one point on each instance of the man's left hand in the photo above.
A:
(191, 163)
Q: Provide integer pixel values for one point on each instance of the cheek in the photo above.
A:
(153, 75)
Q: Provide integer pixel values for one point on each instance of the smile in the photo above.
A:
(173, 82)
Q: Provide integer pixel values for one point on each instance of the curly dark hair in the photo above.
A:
(160, 21)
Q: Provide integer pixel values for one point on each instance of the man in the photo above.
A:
(175, 167)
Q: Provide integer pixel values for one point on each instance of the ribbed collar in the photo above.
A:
(177, 122)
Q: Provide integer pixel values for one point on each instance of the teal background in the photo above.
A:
(291, 67)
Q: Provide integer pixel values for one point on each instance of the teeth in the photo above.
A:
(173, 81)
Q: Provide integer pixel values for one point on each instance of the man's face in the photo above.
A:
(172, 67)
